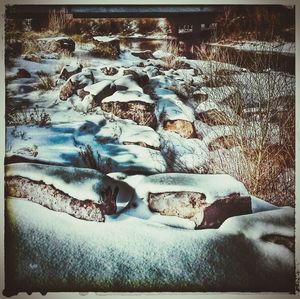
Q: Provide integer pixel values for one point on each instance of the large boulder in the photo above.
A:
(208, 200)
(132, 105)
(76, 83)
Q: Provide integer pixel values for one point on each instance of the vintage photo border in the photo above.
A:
(148, 295)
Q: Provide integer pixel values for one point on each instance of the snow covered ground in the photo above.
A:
(282, 47)
(138, 249)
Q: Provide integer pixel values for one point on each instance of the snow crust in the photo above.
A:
(128, 96)
(105, 39)
(172, 107)
(96, 88)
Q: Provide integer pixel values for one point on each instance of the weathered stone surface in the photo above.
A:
(193, 206)
(181, 204)
(22, 73)
(68, 71)
(75, 83)
(67, 90)
(215, 117)
(32, 57)
(109, 71)
(223, 142)
(147, 54)
(57, 200)
(140, 112)
(182, 127)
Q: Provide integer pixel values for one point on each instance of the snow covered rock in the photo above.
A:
(182, 154)
(75, 83)
(182, 127)
(32, 57)
(174, 115)
(112, 43)
(132, 105)
(127, 83)
(147, 54)
(200, 96)
(57, 44)
(109, 70)
(82, 193)
(100, 90)
(23, 73)
(70, 70)
(208, 200)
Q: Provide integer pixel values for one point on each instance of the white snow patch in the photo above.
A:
(128, 84)
(105, 39)
(214, 186)
(96, 88)
(172, 107)
(128, 96)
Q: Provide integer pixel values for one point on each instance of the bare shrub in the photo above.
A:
(259, 22)
(46, 82)
(172, 61)
(147, 25)
(24, 116)
(57, 20)
(94, 160)
(105, 51)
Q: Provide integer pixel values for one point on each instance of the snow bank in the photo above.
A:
(277, 47)
(135, 255)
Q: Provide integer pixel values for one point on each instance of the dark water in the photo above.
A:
(254, 61)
